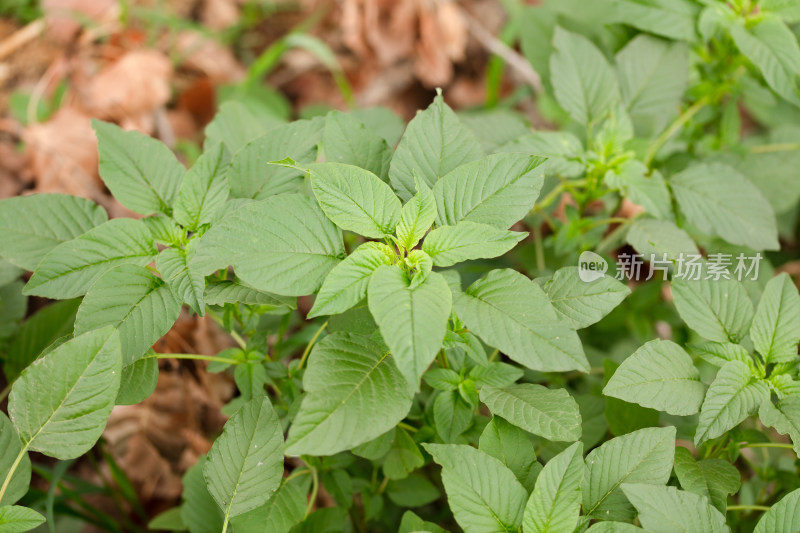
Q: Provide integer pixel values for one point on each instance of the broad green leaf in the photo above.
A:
(719, 353)
(624, 417)
(31, 226)
(354, 393)
(284, 510)
(783, 517)
(663, 509)
(355, 199)
(204, 189)
(494, 127)
(580, 303)
(417, 216)
(347, 283)
(451, 416)
(37, 333)
(674, 19)
(772, 47)
(467, 240)
(554, 506)
(73, 266)
(138, 381)
(13, 307)
(549, 413)
(788, 10)
(9, 272)
(434, 143)
(659, 237)
(484, 495)
(733, 396)
(141, 172)
(719, 310)
(16, 519)
(495, 374)
(442, 379)
(653, 75)
(644, 456)
(382, 121)
(404, 456)
(412, 321)
(510, 312)
(235, 124)
(650, 192)
(561, 148)
(245, 465)
(784, 416)
(498, 190)
(583, 81)
(283, 244)
(413, 491)
(772, 172)
(719, 200)
(513, 447)
(233, 291)
(182, 277)
(347, 140)
(659, 375)
(250, 174)
(135, 302)
(66, 417)
(776, 325)
(11, 446)
(169, 520)
(411, 523)
(199, 511)
(614, 527)
(714, 479)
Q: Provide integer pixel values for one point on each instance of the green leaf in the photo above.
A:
(776, 325)
(354, 393)
(583, 81)
(355, 199)
(233, 291)
(417, 216)
(659, 375)
(783, 517)
(772, 47)
(554, 506)
(135, 302)
(653, 75)
(9, 272)
(16, 519)
(73, 266)
(719, 353)
(580, 303)
(204, 189)
(495, 374)
(623, 417)
(235, 124)
(138, 381)
(413, 491)
(670, 509)
(245, 465)
(169, 520)
(250, 175)
(141, 172)
(199, 511)
(658, 237)
(434, 143)
(784, 416)
(283, 244)
(650, 192)
(549, 413)
(614, 527)
(37, 333)
(66, 417)
(404, 456)
(561, 148)
(412, 321)
(443, 379)
(719, 310)
(347, 140)
(733, 396)
(183, 278)
(283, 511)
(644, 456)
(513, 447)
(12, 447)
(498, 190)
(31, 226)
(412, 523)
(674, 19)
(451, 416)
(719, 200)
(13, 307)
(510, 312)
(484, 495)
(347, 282)
(711, 478)
(382, 121)
(467, 240)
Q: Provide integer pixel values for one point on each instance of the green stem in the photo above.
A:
(685, 117)
(537, 243)
(197, 357)
(778, 147)
(227, 519)
(311, 345)
(382, 488)
(494, 355)
(238, 338)
(407, 427)
(296, 473)
(314, 490)
(11, 471)
(606, 221)
(748, 508)
(5, 392)
(766, 445)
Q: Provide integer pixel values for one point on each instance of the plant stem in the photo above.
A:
(766, 445)
(227, 519)
(197, 357)
(314, 490)
(5, 392)
(685, 117)
(296, 473)
(311, 345)
(407, 427)
(748, 508)
(382, 488)
(778, 147)
(11, 471)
